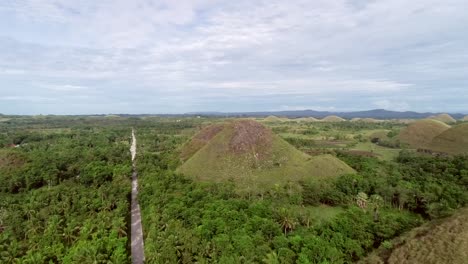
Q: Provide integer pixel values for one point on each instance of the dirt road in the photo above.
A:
(136, 231)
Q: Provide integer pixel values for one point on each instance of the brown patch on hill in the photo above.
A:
(200, 140)
(11, 160)
(208, 132)
(248, 136)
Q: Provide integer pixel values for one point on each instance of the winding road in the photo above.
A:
(136, 231)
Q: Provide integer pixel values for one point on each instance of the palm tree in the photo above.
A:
(361, 200)
(33, 258)
(9, 254)
(69, 234)
(271, 258)
(286, 220)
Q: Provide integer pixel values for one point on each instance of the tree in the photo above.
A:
(361, 200)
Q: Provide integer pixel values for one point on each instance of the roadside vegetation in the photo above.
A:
(64, 191)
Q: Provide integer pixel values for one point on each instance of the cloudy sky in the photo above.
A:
(175, 56)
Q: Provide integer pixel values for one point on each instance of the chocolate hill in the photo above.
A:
(452, 141)
(446, 118)
(420, 133)
(252, 156)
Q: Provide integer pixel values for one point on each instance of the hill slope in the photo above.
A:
(305, 119)
(446, 118)
(272, 119)
(255, 158)
(439, 241)
(200, 140)
(452, 141)
(333, 118)
(420, 133)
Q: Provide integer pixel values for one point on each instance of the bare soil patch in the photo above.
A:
(248, 136)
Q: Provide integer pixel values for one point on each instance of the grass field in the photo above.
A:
(382, 152)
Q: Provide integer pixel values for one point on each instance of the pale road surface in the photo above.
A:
(136, 231)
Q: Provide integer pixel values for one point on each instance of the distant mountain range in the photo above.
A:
(376, 113)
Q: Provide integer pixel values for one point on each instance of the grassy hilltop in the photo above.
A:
(452, 141)
(250, 154)
(420, 133)
(446, 118)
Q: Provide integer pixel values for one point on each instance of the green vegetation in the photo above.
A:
(63, 193)
(65, 183)
(187, 220)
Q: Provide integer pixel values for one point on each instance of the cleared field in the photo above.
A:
(381, 152)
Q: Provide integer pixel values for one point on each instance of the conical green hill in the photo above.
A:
(446, 118)
(420, 133)
(252, 156)
(452, 141)
(333, 118)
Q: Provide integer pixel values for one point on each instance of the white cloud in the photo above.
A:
(392, 105)
(349, 49)
(35, 99)
(63, 87)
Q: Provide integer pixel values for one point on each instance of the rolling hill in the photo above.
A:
(465, 118)
(272, 119)
(252, 156)
(446, 118)
(375, 113)
(333, 118)
(365, 120)
(420, 133)
(452, 141)
(305, 119)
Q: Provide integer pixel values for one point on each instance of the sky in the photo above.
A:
(177, 56)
